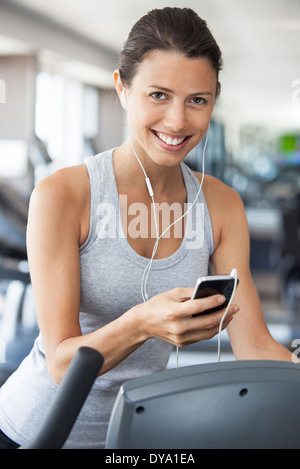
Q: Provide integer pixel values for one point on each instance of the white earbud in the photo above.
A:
(123, 98)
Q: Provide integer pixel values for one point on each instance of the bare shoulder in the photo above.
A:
(66, 189)
(218, 194)
(62, 197)
(64, 185)
(225, 206)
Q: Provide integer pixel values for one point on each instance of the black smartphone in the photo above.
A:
(214, 285)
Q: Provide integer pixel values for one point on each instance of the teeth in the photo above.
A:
(169, 140)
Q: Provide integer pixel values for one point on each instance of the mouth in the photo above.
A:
(169, 142)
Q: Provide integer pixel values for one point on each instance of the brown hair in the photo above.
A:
(171, 30)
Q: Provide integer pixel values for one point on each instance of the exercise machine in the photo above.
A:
(68, 400)
(228, 405)
(18, 322)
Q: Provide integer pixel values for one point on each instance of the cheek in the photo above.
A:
(202, 120)
(143, 117)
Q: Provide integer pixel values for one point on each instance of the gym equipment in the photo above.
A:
(251, 404)
(18, 322)
(238, 405)
(68, 400)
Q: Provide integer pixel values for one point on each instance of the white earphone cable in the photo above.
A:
(233, 274)
(148, 183)
(158, 237)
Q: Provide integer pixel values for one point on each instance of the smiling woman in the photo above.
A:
(174, 114)
(171, 42)
(89, 289)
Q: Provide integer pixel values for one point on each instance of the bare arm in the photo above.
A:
(248, 332)
(53, 239)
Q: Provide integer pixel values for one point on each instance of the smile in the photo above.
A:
(168, 140)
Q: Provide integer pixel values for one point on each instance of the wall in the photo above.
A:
(17, 112)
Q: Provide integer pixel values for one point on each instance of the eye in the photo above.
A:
(158, 95)
(198, 100)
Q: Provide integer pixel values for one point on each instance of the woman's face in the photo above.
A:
(169, 105)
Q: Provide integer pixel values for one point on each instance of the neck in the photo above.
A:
(131, 166)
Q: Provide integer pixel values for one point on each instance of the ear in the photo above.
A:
(218, 91)
(119, 88)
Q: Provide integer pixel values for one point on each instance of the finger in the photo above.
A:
(181, 294)
(200, 305)
(212, 320)
(195, 335)
(207, 328)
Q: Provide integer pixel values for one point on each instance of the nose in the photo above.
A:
(175, 118)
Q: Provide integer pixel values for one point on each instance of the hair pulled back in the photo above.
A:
(171, 30)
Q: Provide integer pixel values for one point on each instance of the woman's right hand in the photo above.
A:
(170, 317)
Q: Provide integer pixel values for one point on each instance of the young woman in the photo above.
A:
(92, 231)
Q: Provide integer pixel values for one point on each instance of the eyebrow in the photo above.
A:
(167, 90)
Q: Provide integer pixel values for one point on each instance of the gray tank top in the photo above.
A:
(111, 273)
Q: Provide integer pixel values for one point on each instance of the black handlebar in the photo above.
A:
(68, 400)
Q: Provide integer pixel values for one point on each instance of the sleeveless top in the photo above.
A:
(111, 273)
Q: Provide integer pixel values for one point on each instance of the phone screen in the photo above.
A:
(210, 287)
